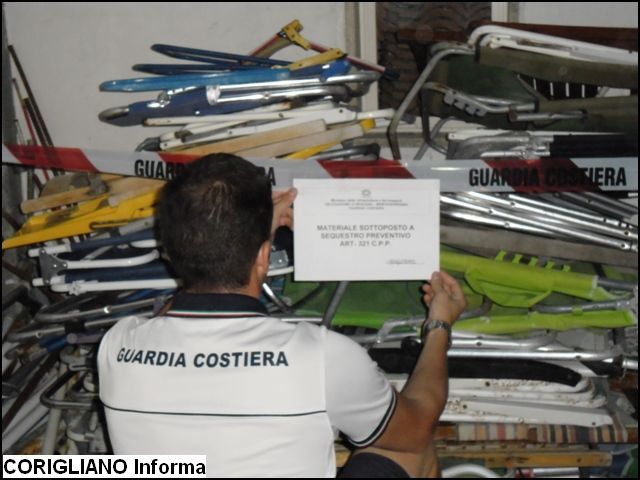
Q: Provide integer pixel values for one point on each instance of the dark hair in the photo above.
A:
(214, 217)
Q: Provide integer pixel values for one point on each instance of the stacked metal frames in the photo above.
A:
(104, 256)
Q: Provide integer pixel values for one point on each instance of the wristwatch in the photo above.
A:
(431, 324)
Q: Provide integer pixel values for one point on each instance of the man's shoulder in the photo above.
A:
(295, 325)
(123, 325)
(330, 338)
(341, 341)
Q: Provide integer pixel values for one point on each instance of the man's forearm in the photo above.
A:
(429, 382)
(420, 404)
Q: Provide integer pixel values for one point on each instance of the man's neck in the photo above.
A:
(239, 291)
(249, 290)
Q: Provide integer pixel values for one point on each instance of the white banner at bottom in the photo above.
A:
(104, 466)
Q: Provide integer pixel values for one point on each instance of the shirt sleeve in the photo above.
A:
(360, 401)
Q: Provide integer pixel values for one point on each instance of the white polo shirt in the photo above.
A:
(258, 396)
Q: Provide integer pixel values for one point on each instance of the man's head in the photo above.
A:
(214, 219)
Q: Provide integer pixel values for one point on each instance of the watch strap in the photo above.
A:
(431, 324)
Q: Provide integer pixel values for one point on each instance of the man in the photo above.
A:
(216, 375)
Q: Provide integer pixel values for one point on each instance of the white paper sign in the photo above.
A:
(366, 229)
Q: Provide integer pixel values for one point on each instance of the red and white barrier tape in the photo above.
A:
(497, 175)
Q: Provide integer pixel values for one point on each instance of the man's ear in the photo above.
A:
(262, 260)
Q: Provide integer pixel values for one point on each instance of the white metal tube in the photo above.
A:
(21, 430)
(469, 469)
(51, 434)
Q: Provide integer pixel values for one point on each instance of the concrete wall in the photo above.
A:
(68, 49)
(593, 14)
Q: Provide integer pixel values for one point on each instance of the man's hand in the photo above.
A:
(282, 209)
(444, 297)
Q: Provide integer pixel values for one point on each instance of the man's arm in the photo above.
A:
(424, 396)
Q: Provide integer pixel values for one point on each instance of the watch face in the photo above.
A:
(432, 324)
(436, 324)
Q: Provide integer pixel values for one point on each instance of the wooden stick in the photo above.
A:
(259, 139)
(132, 187)
(61, 191)
(548, 457)
(115, 185)
(307, 141)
